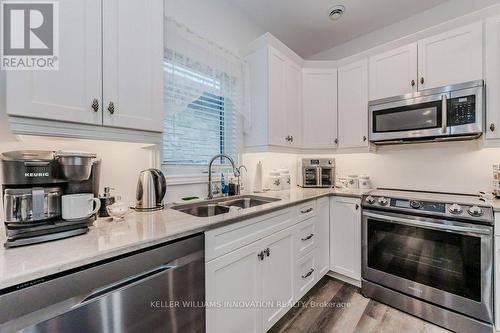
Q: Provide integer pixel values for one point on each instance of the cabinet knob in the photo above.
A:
(261, 255)
(336, 141)
(413, 83)
(95, 105)
(492, 127)
(422, 80)
(111, 107)
(364, 138)
(291, 138)
(267, 252)
(357, 206)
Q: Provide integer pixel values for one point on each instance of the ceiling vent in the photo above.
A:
(336, 12)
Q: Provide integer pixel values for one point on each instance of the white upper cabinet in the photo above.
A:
(133, 63)
(353, 105)
(452, 57)
(493, 78)
(66, 94)
(319, 108)
(110, 68)
(275, 99)
(394, 73)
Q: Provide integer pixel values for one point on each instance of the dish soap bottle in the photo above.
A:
(106, 200)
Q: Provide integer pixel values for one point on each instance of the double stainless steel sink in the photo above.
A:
(223, 205)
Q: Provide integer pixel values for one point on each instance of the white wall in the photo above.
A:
(458, 167)
(449, 15)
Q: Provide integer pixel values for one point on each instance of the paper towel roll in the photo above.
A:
(257, 183)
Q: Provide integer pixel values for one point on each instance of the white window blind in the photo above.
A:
(203, 94)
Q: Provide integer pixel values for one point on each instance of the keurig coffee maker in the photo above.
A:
(33, 183)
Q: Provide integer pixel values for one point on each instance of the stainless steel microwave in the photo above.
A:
(454, 112)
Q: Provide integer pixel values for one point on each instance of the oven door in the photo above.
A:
(412, 118)
(311, 177)
(446, 263)
(327, 178)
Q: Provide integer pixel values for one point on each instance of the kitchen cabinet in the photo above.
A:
(275, 99)
(110, 71)
(277, 276)
(234, 277)
(353, 105)
(259, 272)
(496, 258)
(323, 237)
(345, 237)
(451, 57)
(394, 72)
(133, 64)
(319, 91)
(493, 78)
(66, 94)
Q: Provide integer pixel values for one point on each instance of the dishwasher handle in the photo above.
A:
(103, 291)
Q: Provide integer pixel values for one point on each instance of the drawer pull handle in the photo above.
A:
(305, 211)
(308, 274)
(307, 238)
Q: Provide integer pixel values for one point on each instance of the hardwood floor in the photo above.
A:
(334, 306)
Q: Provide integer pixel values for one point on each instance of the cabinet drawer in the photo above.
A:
(305, 210)
(231, 237)
(305, 236)
(305, 275)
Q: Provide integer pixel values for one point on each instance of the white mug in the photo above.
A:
(79, 206)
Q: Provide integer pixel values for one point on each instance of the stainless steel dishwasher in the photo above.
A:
(158, 289)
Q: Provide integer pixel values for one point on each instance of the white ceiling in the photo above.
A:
(304, 26)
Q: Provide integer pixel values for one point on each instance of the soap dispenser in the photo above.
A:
(106, 200)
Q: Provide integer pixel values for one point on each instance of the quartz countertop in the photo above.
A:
(107, 238)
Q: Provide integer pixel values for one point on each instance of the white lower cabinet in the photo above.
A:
(250, 286)
(496, 257)
(250, 289)
(345, 237)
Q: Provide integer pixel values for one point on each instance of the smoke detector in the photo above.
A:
(336, 12)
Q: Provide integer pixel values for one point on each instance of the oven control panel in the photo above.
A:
(482, 214)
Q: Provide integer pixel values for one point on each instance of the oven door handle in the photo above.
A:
(444, 113)
(429, 225)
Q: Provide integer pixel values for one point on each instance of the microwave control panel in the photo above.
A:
(462, 111)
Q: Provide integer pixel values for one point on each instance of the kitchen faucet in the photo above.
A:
(235, 171)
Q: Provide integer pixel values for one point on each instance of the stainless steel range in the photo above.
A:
(430, 254)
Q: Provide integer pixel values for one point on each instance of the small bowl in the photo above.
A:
(118, 210)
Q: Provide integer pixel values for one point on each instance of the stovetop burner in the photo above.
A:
(439, 205)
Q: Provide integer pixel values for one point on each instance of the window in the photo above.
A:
(204, 85)
(204, 128)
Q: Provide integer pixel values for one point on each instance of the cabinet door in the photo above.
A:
(319, 108)
(234, 277)
(277, 276)
(277, 98)
(323, 237)
(66, 94)
(293, 103)
(455, 56)
(493, 78)
(345, 237)
(133, 64)
(394, 73)
(353, 105)
(496, 257)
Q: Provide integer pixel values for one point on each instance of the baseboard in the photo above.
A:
(344, 278)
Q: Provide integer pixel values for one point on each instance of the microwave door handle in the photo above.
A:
(444, 113)
(429, 225)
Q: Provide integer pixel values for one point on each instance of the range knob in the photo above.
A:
(370, 200)
(455, 209)
(382, 201)
(415, 204)
(475, 211)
